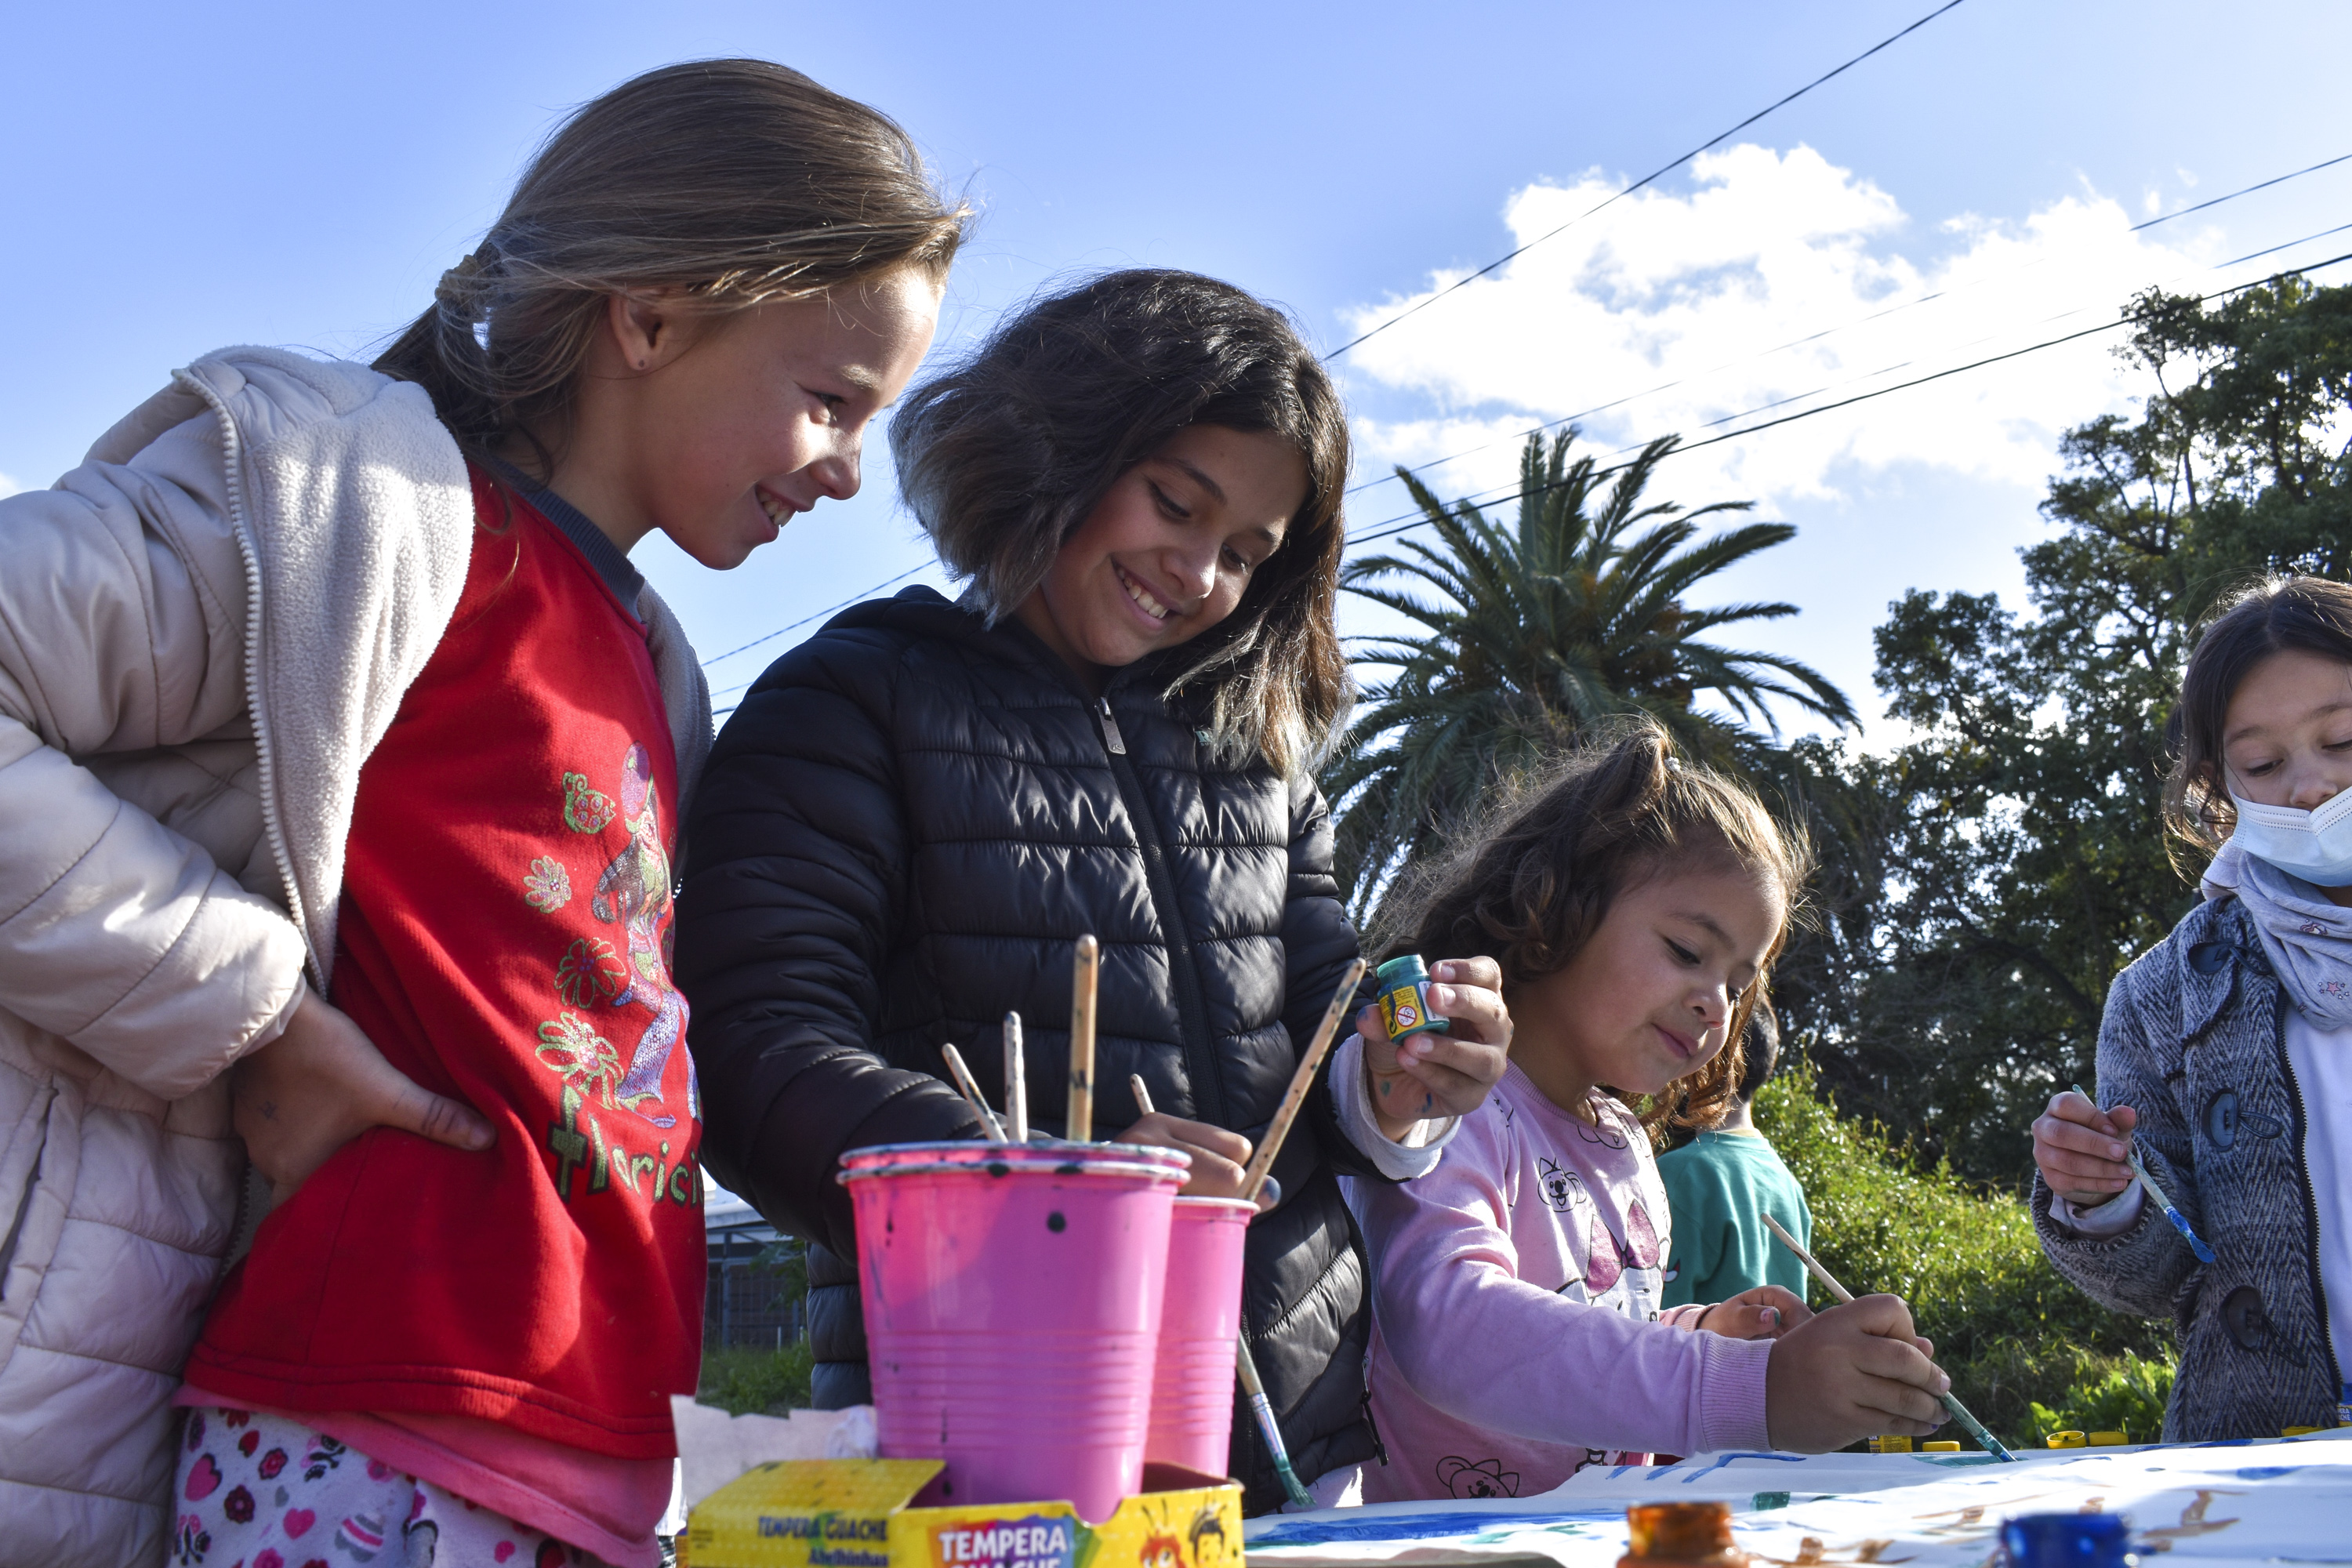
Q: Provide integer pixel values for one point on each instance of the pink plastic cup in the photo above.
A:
(1013, 1298)
(1192, 1380)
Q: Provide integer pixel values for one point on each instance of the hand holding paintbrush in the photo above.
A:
(1882, 1378)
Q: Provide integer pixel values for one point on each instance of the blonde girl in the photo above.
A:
(342, 752)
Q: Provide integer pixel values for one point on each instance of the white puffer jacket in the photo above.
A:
(205, 630)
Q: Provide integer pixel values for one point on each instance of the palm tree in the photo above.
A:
(1578, 616)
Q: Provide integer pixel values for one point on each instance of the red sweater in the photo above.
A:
(504, 939)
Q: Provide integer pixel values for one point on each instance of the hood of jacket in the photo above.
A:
(352, 514)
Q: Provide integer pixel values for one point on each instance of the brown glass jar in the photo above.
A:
(1681, 1535)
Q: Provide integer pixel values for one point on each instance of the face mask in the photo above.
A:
(2315, 846)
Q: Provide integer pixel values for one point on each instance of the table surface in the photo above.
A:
(2246, 1502)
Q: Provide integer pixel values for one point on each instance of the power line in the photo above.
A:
(1653, 175)
(2250, 190)
(854, 599)
(1390, 527)
(1390, 477)
(1664, 386)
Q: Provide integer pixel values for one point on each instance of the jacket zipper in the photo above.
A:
(1191, 1003)
(2310, 1203)
(232, 460)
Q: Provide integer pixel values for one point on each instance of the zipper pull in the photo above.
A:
(1109, 727)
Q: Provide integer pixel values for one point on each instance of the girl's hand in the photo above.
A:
(1852, 1372)
(1441, 1075)
(2080, 1149)
(321, 1084)
(1764, 1314)
(1218, 1156)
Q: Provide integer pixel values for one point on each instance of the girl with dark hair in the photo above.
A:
(1636, 904)
(914, 815)
(2225, 1055)
(341, 751)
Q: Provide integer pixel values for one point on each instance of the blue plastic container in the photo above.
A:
(2067, 1541)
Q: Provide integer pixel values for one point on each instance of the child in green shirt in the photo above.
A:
(1720, 1181)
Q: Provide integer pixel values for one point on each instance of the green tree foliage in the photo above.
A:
(1529, 634)
(1984, 883)
(2011, 1332)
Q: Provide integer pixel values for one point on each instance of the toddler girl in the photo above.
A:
(1638, 904)
(2225, 1057)
(356, 749)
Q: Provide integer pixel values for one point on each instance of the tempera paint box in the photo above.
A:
(859, 1513)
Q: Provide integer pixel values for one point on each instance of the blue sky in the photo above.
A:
(185, 178)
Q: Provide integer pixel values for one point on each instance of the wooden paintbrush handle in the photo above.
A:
(1085, 976)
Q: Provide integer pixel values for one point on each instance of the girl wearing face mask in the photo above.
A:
(915, 815)
(2225, 1057)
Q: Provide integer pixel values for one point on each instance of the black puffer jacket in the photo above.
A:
(900, 836)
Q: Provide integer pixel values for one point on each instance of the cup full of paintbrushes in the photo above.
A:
(1201, 1321)
(1013, 1298)
(1014, 1290)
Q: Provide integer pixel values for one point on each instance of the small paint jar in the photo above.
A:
(2067, 1541)
(1890, 1445)
(1680, 1535)
(1943, 1446)
(2067, 1440)
(1404, 999)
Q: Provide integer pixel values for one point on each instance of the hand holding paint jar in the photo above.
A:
(1436, 1038)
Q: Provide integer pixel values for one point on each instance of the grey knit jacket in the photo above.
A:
(2194, 1039)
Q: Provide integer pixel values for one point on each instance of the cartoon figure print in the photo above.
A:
(633, 892)
(1488, 1477)
(1161, 1552)
(1626, 1275)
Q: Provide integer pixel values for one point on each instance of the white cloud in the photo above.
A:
(1707, 289)
(8, 486)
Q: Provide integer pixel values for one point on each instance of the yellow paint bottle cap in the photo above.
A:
(2298, 1431)
(2109, 1439)
(2067, 1440)
(1944, 1447)
(1890, 1445)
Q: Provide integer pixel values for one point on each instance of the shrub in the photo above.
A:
(2007, 1327)
(745, 1381)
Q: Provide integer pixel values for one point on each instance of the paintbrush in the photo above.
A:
(1078, 1122)
(1262, 1163)
(970, 1089)
(1959, 1412)
(1016, 1081)
(1267, 1425)
(2139, 1168)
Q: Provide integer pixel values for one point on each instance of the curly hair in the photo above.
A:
(1004, 455)
(732, 183)
(2269, 616)
(1533, 881)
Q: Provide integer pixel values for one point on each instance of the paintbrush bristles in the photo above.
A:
(1016, 1081)
(1078, 1124)
(967, 1086)
(1262, 1163)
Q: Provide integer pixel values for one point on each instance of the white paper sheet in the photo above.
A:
(2243, 1503)
(714, 1448)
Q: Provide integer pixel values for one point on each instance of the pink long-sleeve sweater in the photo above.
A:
(1516, 1334)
